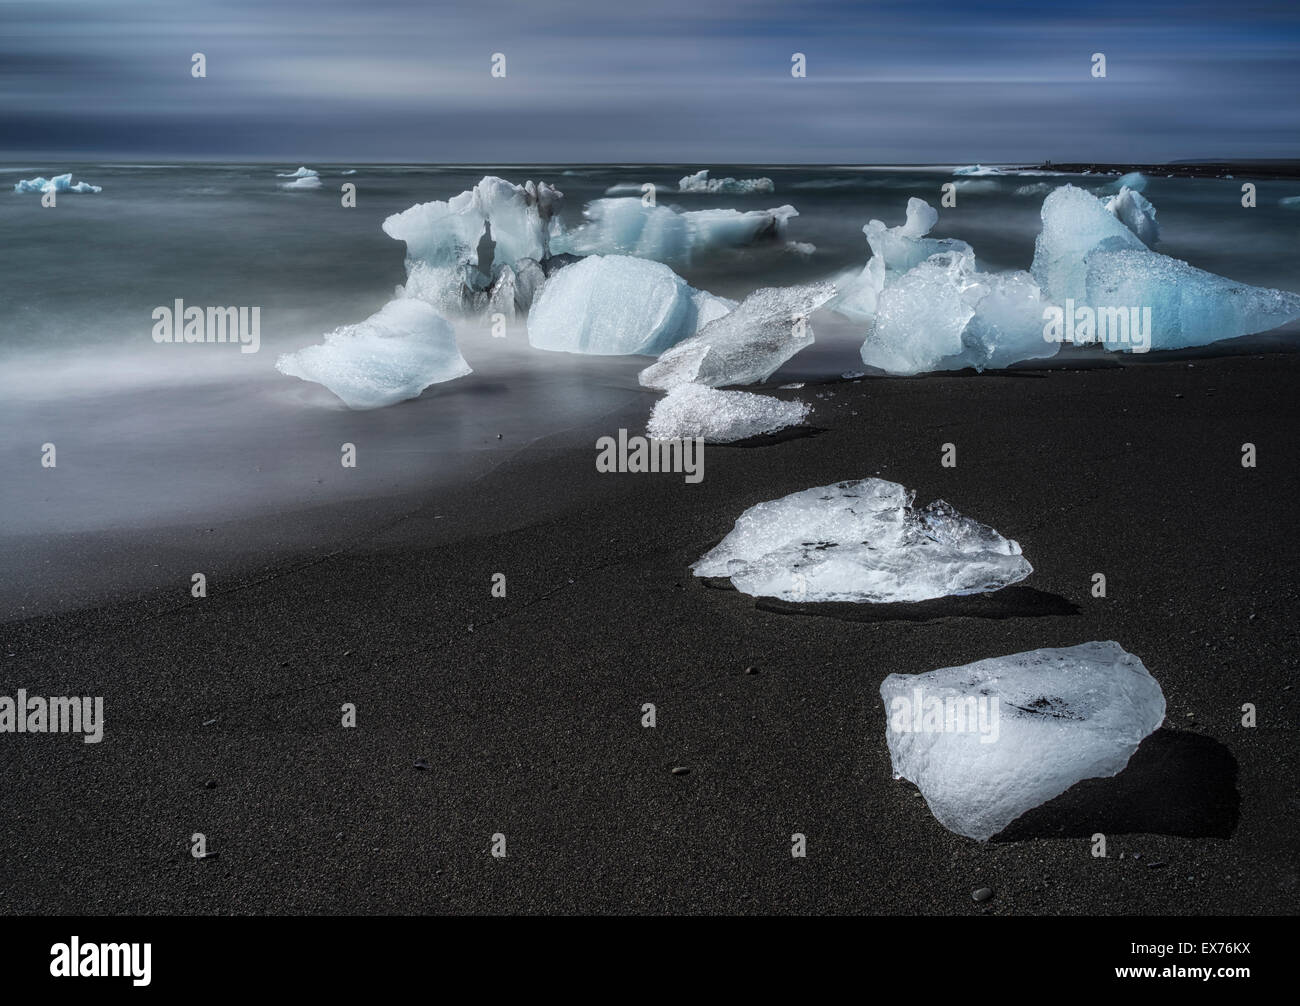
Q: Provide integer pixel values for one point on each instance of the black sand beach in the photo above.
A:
(522, 715)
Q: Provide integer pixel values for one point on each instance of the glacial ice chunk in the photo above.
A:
(701, 182)
(613, 305)
(1136, 213)
(1075, 223)
(944, 315)
(1134, 180)
(747, 344)
(1008, 323)
(720, 417)
(1087, 254)
(311, 181)
(59, 183)
(300, 173)
(456, 249)
(624, 226)
(393, 355)
(894, 250)
(861, 541)
(987, 741)
(1188, 306)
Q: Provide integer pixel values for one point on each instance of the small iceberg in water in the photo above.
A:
(701, 182)
(391, 356)
(59, 183)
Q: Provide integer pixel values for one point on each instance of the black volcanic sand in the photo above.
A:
(522, 715)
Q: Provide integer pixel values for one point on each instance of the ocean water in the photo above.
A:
(183, 436)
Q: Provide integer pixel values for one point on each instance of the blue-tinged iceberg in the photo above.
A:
(391, 356)
(1136, 213)
(1088, 262)
(926, 306)
(311, 181)
(612, 305)
(701, 182)
(626, 226)
(59, 183)
(457, 249)
(943, 314)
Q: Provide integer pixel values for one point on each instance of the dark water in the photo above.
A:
(150, 435)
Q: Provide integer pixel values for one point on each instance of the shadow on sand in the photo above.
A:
(1009, 602)
(1176, 783)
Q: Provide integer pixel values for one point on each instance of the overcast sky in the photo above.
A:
(699, 81)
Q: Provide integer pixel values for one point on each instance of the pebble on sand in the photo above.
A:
(982, 894)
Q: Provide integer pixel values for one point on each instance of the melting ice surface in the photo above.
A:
(745, 345)
(616, 304)
(861, 541)
(987, 741)
(720, 417)
(701, 182)
(1087, 254)
(59, 183)
(625, 226)
(393, 355)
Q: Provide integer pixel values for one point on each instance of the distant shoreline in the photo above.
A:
(1216, 169)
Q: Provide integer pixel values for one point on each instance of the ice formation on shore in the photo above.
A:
(894, 250)
(1088, 256)
(615, 304)
(1135, 212)
(1075, 223)
(987, 741)
(861, 541)
(625, 226)
(1189, 306)
(701, 182)
(745, 345)
(393, 355)
(928, 308)
(944, 315)
(720, 417)
(457, 249)
(59, 183)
